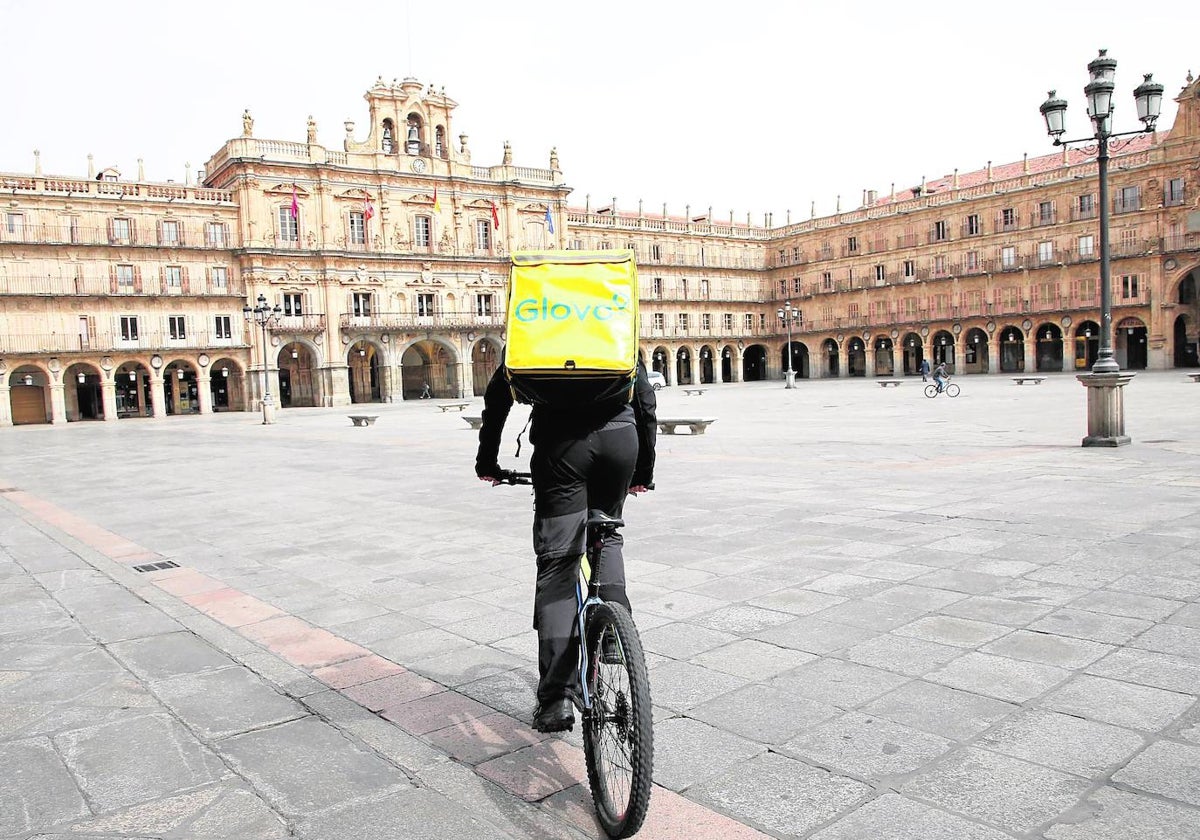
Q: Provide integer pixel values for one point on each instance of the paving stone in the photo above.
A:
(39, 790)
(1048, 649)
(923, 598)
(1119, 703)
(422, 644)
(870, 615)
(1081, 624)
(890, 570)
(813, 635)
(1039, 592)
(474, 740)
(678, 605)
(387, 739)
(948, 630)
(367, 631)
(1003, 611)
(220, 703)
(1158, 586)
(1187, 615)
(159, 657)
(957, 580)
(1127, 604)
(491, 627)
(682, 685)
(1114, 814)
(838, 683)
(1064, 742)
(414, 814)
(796, 600)
(680, 640)
(742, 619)
(912, 657)
(687, 751)
(847, 585)
(1149, 668)
(1002, 791)
(356, 671)
(537, 772)
(219, 810)
(999, 676)
(1166, 768)
(892, 817)
(467, 664)
(752, 659)
(940, 710)
(763, 713)
(435, 711)
(111, 775)
(389, 692)
(779, 794)
(866, 747)
(1173, 639)
(306, 765)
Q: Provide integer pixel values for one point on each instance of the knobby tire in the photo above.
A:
(618, 734)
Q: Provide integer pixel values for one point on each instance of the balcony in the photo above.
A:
(106, 286)
(1080, 214)
(1047, 216)
(972, 228)
(310, 323)
(415, 321)
(1181, 242)
(185, 236)
(906, 240)
(110, 342)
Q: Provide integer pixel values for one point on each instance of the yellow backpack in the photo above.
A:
(572, 327)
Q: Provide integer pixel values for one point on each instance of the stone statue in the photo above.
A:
(312, 131)
(554, 158)
(507, 154)
(247, 124)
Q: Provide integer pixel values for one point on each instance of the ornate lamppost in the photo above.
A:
(789, 315)
(1105, 383)
(263, 313)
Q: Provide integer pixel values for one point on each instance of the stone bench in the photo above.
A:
(883, 383)
(363, 419)
(1021, 380)
(456, 406)
(474, 422)
(694, 392)
(1195, 377)
(696, 424)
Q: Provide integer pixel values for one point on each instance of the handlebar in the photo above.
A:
(514, 477)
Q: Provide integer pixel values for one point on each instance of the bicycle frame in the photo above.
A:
(594, 554)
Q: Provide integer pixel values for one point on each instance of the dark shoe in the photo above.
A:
(556, 716)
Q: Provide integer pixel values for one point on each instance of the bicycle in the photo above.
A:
(950, 390)
(618, 734)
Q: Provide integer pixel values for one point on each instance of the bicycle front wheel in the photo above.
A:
(952, 390)
(618, 734)
(931, 391)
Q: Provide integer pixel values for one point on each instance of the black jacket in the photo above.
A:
(553, 424)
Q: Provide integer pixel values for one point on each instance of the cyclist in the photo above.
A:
(940, 376)
(585, 457)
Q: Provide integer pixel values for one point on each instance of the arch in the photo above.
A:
(1012, 349)
(440, 149)
(728, 362)
(429, 367)
(707, 365)
(683, 366)
(387, 140)
(131, 380)
(1130, 344)
(976, 358)
(659, 362)
(914, 353)
(856, 357)
(798, 358)
(485, 358)
(227, 384)
(29, 395)
(754, 363)
(942, 349)
(830, 359)
(885, 358)
(1087, 344)
(364, 370)
(300, 383)
(1048, 348)
(414, 134)
(83, 393)
(1185, 332)
(181, 386)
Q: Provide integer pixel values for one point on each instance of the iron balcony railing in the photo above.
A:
(22, 284)
(116, 342)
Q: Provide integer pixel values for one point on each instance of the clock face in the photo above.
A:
(418, 165)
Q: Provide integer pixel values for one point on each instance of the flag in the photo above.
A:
(368, 209)
(495, 217)
(549, 219)
(295, 204)
(437, 205)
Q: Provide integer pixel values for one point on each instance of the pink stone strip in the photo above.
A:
(527, 764)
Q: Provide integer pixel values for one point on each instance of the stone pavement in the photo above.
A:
(868, 614)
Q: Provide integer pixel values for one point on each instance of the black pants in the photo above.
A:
(570, 477)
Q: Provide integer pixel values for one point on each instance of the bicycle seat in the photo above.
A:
(600, 519)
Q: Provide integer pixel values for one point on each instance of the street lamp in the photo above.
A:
(1106, 410)
(263, 313)
(789, 315)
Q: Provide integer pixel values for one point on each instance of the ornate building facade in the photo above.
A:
(387, 259)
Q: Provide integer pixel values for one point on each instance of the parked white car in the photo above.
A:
(657, 380)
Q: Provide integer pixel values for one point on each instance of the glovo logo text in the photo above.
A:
(532, 309)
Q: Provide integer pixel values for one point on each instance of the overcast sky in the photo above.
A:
(751, 106)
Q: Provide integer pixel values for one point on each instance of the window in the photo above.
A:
(1008, 257)
(122, 230)
(782, 287)
(129, 328)
(358, 228)
(173, 277)
(215, 235)
(910, 269)
(827, 280)
(289, 227)
(796, 253)
(972, 260)
(1085, 207)
(762, 321)
(880, 273)
(176, 327)
(70, 229)
(1173, 193)
(1047, 292)
(1087, 289)
(706, 322)
(782, 256)
(424, 231)
(483, 234)
(852, 244)
(1008, 219)
(683, 322)
(125, 278)
(727, 321)
(484, 304)
(974, 225)
(169, 233)
(293, 303)
(15, 223)
(361, 304)
(658, 321)
(223, 327)
(1129, 240)
(910, 308)
(658, 287)
(425, 304)
(656, 252)
(1129, 286)
(220, 277)
(749, 322)
(1045, 252)
(683, 288)
(1045, 212)
(941, 231)
(852, 310)
(797, 285)
(939, 265)
(1128, 199)
(1087, 246)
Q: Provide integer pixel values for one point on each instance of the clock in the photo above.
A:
(418, 165)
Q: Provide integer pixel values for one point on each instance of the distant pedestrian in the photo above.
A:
(924, 370)
(426, 393)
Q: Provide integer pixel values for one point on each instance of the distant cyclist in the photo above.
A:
(585, 457)
(940, 376)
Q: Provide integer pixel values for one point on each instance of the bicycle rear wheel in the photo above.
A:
(618, 734)
(931, 391)
(952, 390)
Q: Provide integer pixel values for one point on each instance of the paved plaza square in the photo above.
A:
(868, 614)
